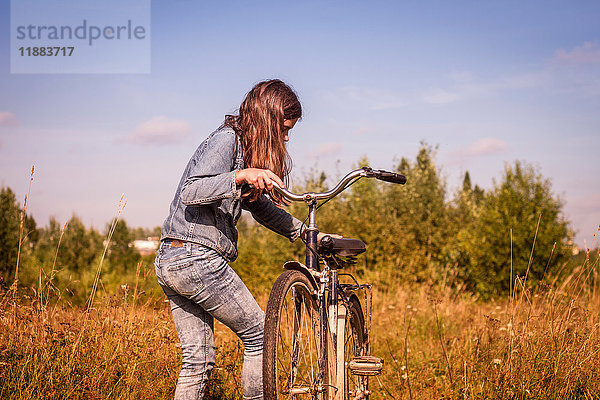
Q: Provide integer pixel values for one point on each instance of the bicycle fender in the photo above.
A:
(295, 265)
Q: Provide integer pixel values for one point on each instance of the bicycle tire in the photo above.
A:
(355, 345)
(291, 340)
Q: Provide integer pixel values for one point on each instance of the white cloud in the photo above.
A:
(465, 87)
(455, 87)
(8, 119)
(375, 99)
(363, 131)
(326, 150)
(159, 130)
(388, 105)
(482, 147)
(440, 96)
(525, 81)
(588, 53)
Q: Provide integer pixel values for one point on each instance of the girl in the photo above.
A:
(199, 235)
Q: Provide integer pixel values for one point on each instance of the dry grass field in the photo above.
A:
(438, 343)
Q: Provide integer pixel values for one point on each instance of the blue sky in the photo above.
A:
(487, 82)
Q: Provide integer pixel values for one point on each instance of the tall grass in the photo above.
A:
(125, 347)
(542, 342)
(439, 342)
(21, 224)
(111, 231)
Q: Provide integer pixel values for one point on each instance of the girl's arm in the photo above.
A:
(209, 175)
(276, 219)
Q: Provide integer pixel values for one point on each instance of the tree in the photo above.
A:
(79, 247)
(46, 245)
(363, 214)
(521, 200)
(122, 255)
(10, 215)
(463, 212)
(419, 217)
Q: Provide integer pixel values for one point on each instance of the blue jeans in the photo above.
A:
(201, 285)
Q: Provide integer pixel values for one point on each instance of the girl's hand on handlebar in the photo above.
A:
(259, 178)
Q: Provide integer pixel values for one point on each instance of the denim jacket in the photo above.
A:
(208, 203)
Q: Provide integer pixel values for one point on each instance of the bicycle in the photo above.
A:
(316, 341)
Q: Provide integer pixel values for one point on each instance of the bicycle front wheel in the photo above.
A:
(292, 340)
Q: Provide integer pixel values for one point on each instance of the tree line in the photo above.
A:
(475, 239)
(66, 254)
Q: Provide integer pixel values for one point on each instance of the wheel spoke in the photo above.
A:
(293, 341)
(295, 364)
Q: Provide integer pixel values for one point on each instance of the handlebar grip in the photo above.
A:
(390, 177)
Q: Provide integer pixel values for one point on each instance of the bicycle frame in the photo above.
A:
(326, 303)
(332, 316)
(332, 325)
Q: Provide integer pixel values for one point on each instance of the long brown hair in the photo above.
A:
(260, 128)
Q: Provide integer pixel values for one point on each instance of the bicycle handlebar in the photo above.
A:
(364, 172)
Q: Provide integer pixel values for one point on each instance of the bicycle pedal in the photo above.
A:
(366, 365)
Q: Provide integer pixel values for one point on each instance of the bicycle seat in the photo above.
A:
(342, 247)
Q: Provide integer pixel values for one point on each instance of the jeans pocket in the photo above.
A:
(169, 255)
(182, 275)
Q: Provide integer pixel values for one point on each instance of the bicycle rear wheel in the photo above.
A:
(292, 340)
